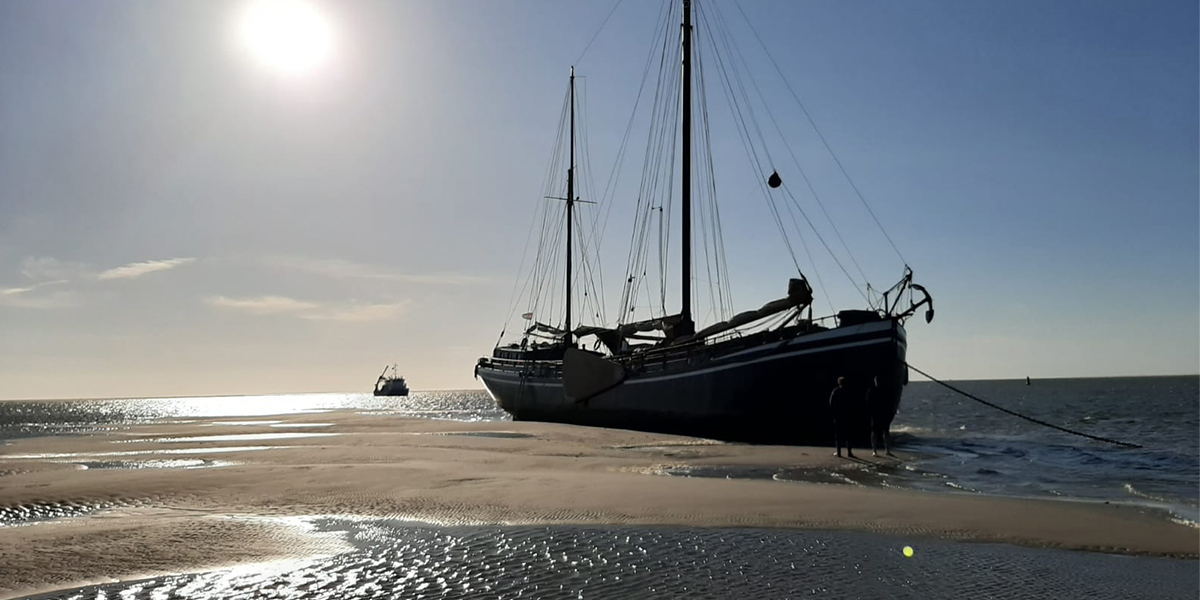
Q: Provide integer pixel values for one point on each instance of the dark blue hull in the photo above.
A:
(392, 389)
(772, 392)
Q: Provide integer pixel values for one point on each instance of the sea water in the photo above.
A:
(976, 448)
(967, 447)
(964, 448)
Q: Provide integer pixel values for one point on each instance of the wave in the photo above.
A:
(1185, 521)
(1140, 494)
(1182, 512)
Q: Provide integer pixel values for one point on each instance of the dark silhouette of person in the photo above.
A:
(841, 406)
(879, 410)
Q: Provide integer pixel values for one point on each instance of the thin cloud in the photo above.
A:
(29, 288)
(28, 297)
(344, 269)
(361, 313)
(137, 269)
(263, 305)
(41, 271)
(41, 268)
(311, 311)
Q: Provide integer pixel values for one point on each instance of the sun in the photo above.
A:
(289, 36)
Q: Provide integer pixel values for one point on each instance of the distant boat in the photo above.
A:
(1028, 381)
(761, 375)
(390, 385)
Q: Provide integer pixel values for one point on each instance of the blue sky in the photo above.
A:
(178, 218)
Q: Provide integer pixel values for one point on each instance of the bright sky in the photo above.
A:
(211, 197)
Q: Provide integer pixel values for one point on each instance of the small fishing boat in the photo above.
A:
(390, 384)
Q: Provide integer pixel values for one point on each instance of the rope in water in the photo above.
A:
(1016, 414)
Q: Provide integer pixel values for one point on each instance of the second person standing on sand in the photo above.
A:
(841, 407)
(879, 410)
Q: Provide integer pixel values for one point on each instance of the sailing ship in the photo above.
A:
(390, 384)
(763, 375)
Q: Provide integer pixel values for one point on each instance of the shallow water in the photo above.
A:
(972, 448)
(30, 418)
(398, 559)
(978, 449)
(232, 437)
(156, 463)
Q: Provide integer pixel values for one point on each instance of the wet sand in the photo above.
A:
(189, 512)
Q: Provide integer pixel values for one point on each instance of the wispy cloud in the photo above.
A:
(47, 268)
(344, 269)
(29, 288)
(40, 271)
(137, 269)
(361, 312)
(30, 297)
(263, 305)
(309, 310)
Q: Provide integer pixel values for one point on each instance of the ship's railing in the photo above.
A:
(657, 359)
(527, 368)
(515, 362)
(637, 362)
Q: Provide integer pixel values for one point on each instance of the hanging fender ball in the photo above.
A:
(774, 180)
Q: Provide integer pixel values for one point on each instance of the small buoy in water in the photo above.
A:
(908, 551)
(774, 180)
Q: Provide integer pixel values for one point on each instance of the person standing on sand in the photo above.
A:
(878, 409)
(840, 405)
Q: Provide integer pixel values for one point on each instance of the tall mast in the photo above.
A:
(686, 325)
(570, 208)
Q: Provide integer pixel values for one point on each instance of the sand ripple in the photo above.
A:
(393, 559)
(34, 512)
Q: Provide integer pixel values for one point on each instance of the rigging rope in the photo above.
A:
(706, 172)
(745, 134)
(598, 30)
(734, 54)
(518, 291)
(820, 135)
(732, 47)
(803, 214)
(629, 288)
(595, 273)
(816, 272)
(1016, 414)
(656, 178)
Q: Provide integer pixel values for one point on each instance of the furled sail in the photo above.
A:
(799, 296)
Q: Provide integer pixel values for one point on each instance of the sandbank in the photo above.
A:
(137, 522)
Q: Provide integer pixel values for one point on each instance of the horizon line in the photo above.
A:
(314, 393)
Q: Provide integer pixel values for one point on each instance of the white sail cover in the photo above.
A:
(585, 375)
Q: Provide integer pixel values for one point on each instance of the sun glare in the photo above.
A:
(290, 36)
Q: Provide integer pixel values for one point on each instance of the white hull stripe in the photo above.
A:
(825, 336)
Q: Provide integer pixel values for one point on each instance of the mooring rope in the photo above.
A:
(1016, 414)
